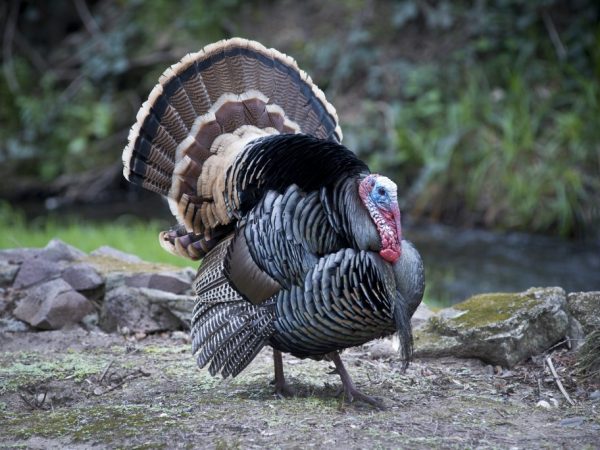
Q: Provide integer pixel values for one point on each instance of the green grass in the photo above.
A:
(131, 236)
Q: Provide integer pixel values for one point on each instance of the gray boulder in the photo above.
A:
(82, 277)
(585, 307)
(36, 270)
(57, 250)
(108, 252)
(174, 282)
(52, 305)
(421, 315)
(8, 272)
(18, 255)
(501, 329)
(144, 310)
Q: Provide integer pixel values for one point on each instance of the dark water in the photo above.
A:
(460, 263)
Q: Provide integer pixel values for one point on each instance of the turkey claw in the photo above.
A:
(284, 391)
(354, 395)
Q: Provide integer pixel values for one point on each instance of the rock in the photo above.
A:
(34, 271)
(595, 396)
(174, 282)
(10, 325)
(585, 307)
(575, 333)
(499, 329)
(576, 421)
(52, 305)
(82, 277)
(18, 255)
(144, 310)
(421, 315)
(109, 252)
(57, 250)
(181, 306)
(8, 272)
(382, 348)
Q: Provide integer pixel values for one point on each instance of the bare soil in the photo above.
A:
(81, 389)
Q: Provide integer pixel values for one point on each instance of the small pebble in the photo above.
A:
(572, 421)
(595, 396)
(543, 404)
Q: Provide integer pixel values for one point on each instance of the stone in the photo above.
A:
(8, 272)
(585, 307)
(143, 310)
(34, 271)
(10, 325)
(52, 305)
(57, 250)
(501, 329)
(576, 421)
(175, 282)
(109, 252)
(575, 333)
(421, 315)
(82, 277)
(18, 255)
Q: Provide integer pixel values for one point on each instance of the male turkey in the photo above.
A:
(300, 244)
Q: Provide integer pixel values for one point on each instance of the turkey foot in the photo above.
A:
(349, 390)
(282, 389)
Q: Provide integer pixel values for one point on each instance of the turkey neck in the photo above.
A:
(349, 216)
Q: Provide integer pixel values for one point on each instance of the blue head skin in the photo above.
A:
(379, 195)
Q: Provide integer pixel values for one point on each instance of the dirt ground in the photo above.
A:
(83, 389)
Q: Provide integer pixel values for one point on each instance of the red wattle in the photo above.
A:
(389, 255)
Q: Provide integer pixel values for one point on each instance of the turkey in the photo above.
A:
(301, 245)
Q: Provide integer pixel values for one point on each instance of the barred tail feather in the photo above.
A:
(234, 86)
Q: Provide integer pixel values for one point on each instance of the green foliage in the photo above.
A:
(73, 115)
(126, 234)
(503, 130)
(485, 112)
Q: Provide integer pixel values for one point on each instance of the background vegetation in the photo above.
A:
(486, 113)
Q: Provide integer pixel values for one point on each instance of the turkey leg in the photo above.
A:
(350, 391)
(282, 389)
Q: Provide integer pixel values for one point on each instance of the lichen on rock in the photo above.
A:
(501, 328)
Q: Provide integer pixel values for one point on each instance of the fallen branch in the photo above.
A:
(106, 371)
(550, 365)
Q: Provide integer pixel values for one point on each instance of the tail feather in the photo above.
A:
(227, 330)
(224, 88)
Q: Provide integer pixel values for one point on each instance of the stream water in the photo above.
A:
(458, 262)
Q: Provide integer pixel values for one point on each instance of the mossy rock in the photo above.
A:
(501, 328)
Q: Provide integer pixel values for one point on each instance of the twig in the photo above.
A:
(550, 365)
(137, 374)
(106, 371)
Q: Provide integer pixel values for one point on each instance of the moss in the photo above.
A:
(101, 423)
(158, 350)
(29, 368)
(487, 309)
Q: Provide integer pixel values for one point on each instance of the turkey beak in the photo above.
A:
(404, 328)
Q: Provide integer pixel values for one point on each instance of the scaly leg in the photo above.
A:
(282, 389)
(350, 391)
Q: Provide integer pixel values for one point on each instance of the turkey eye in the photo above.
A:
(381, 191)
